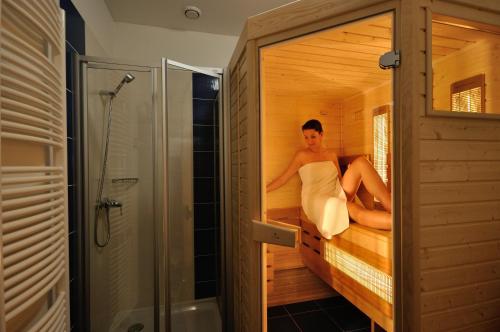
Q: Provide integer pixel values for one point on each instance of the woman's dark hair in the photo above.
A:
(313, 124)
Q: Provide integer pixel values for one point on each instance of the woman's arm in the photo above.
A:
(290, 171)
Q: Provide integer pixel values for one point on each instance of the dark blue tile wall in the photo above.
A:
(75, 44)
(206, 187)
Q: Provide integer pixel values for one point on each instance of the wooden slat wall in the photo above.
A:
(459, 216)
(473, 60)
(243, 134)
(245, 232)
(409, 100)
(357, 119)
(285, 113)
(460, 222)
(2, 291)
(324, 76)
(235, 180)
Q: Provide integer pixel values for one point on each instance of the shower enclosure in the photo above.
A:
(137, 228)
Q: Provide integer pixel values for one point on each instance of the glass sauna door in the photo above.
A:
(342, 85)
(193, 248)
(119, 117)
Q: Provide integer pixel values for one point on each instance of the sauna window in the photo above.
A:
(381, 142)
(465, 60)
(468, 95)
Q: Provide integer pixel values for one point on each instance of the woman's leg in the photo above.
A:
(361, 170)
(371, 218)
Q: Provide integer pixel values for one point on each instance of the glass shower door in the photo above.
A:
(119, 128)
(153, 250)
(193, 224)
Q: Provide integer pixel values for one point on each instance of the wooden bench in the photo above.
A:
(356, 263)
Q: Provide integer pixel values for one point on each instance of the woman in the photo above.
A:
(327, 197)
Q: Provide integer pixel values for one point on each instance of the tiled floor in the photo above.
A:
(334, 314)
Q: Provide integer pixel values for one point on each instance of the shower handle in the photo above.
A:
(109, 203)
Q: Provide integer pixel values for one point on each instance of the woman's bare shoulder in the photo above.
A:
(300, 155)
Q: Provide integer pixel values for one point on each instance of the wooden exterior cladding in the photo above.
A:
(446, 178)
(245, 263)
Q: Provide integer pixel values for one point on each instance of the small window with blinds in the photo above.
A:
(463, 59)
(381, 142)
(468, 95)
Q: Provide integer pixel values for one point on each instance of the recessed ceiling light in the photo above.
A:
(192, 12)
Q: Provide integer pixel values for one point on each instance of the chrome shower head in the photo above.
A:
(127, 79)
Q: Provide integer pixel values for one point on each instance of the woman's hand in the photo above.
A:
(294, 166)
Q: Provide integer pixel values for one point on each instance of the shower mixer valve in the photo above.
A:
(108, 204)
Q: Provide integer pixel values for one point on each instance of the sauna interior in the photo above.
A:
(334, 76)
(464, 66)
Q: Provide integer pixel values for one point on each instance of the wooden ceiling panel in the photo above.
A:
(343, 61)
(325, 77)
(449, 31)
(448, 37)
(347, 47)
(341, 81)
(442, 50)
(356, 39)
(320, 59)
(273, 61)
(311, 87)
(450, 42)
(436, 57)
(370, 30)
(381, 20)
(339, 62)
(331, 51)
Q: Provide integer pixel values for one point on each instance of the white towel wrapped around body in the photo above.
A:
(323, 199)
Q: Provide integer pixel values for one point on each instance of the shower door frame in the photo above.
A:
(218, 73)
(83, 205)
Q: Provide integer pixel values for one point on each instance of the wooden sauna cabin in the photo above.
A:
(412, 85)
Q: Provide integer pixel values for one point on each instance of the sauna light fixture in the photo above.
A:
(192, 12)
(458, 25)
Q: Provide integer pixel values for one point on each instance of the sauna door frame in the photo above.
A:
(357, 15)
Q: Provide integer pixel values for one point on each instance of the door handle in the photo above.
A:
(273, 234)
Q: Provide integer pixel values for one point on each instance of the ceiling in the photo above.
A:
(224, 17)
(343, 61)
(339, 62)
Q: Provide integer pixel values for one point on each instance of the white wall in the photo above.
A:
(99, 26)
(93, 46)
(147, 44)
